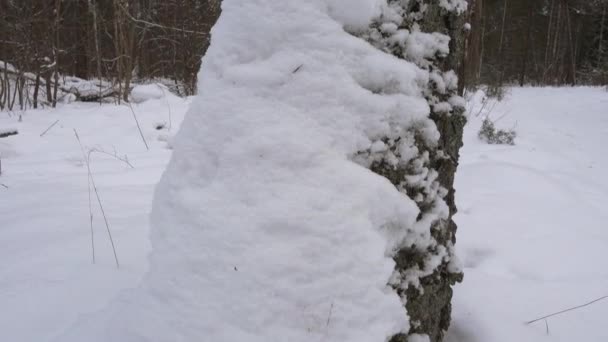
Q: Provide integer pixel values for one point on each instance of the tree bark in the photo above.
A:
(428, 303)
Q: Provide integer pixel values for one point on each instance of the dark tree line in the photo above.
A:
(539, 42)
(119, 41)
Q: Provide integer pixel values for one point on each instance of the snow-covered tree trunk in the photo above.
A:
(425, 273)
(268, 223)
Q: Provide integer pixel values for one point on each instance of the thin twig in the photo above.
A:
(567, 310)
(168, 105)
(91, 221)
(103, 213)
(297, 69)
(48, 129)
(157, 25)
(3, 185)
(138, 126)
(114, 155)
(89, 177)
(331, 309)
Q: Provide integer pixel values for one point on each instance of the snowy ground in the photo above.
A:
(532, 216)
(46, 276)
(532, 221)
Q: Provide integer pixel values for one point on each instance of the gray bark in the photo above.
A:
(429, 305)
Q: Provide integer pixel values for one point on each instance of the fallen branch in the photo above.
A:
(3, 185)
(94, 95)
(114, 155)
(566, 310)
(8, 133)
(48, 129)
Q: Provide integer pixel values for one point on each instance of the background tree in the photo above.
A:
(539, 42)
(118, 41)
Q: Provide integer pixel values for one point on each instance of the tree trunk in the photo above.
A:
(429, 304)
(93, 11)
(600, 48)
(475, 44)
(522, 75)
(56, 52)
(501, 57)
(36, 88)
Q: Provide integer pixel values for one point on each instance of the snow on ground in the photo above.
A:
(532, 220)
(532, 217)
(47, 279)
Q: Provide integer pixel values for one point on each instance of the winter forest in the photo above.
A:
(303, 171)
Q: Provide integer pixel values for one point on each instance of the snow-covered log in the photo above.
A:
(7, 132)
(82, 90)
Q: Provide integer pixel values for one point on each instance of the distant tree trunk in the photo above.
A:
(93, 11)
(474, 51)
(548, 40)
(600, 48)
(524, 64)
(555, 56)
(47, 85)
(56, 51)
(572, 63)
(36, 89)
(501, 45)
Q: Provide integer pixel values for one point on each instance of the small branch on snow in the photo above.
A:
(565, 310)
(48, 129)
(297, 69)
(4, 185)
(114, 155)
(331, 309)
(103, 213)
(138, 126)
(168, 105)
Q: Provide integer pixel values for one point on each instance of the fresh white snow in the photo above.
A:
(47, 279)
(532, 220)
(531, 231)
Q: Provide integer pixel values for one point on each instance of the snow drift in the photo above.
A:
(264, 228)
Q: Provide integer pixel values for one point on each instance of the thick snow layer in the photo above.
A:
(145, 92)
(355, 14)
(264, 229)
(532, 220)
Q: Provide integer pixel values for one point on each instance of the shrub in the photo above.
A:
(491, 135)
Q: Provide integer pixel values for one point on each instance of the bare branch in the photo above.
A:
(139, 21)
(567, 310)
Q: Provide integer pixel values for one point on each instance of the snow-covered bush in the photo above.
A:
(496, 91)
(491, 135)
